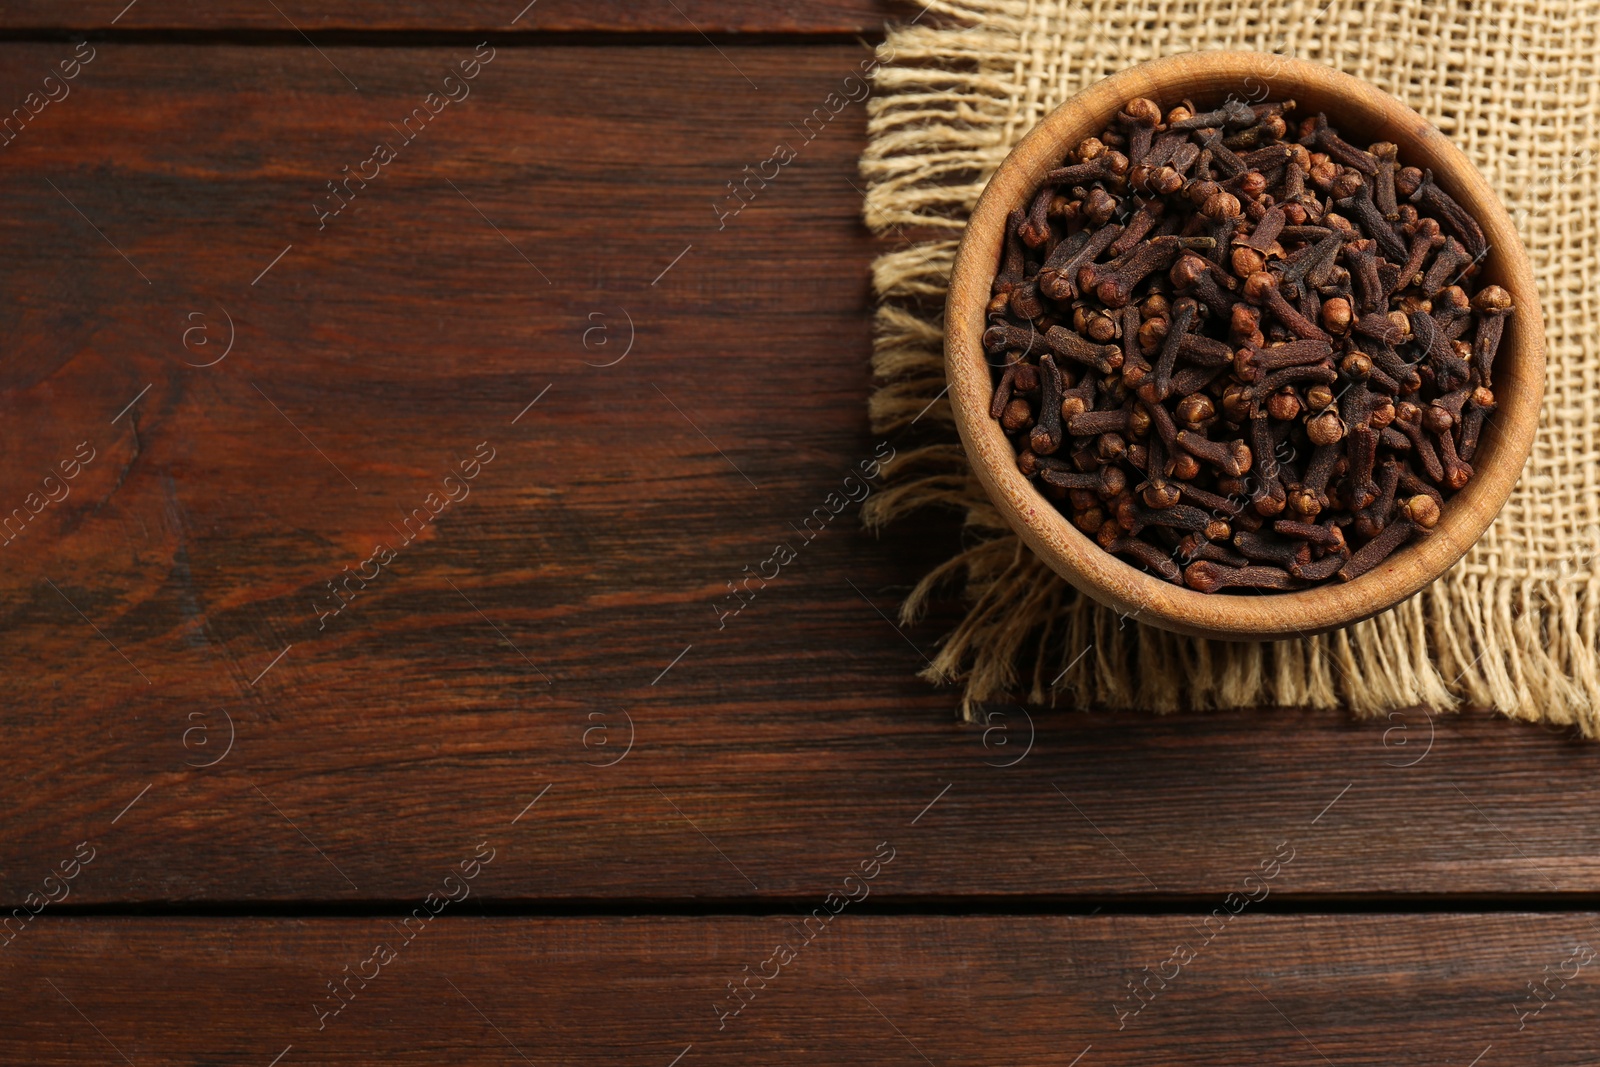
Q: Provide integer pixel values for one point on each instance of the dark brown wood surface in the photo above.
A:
(292, 16)
(1349, 990)
(550, 273)
(510, 645)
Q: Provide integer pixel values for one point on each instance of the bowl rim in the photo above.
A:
(1518, 381)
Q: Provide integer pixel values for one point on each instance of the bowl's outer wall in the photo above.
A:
(1364, 114)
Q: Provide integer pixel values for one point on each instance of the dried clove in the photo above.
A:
(1240, 351)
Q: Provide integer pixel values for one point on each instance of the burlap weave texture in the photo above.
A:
(1515, 625)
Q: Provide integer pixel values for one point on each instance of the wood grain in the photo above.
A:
(685, 16)
(544, 699)
(582, 584)
(1351, 990)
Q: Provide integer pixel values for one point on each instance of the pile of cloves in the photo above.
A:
(1240, 357)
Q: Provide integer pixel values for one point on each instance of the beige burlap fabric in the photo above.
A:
(1514, 626)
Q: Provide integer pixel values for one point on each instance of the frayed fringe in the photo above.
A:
(1519, 647)
(943, 119)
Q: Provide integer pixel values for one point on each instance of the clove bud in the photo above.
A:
(1241, 352)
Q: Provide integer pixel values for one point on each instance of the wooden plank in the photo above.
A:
(170, 602)
(486, 16)
(1381, 990)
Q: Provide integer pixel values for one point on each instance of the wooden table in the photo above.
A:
(519, 790)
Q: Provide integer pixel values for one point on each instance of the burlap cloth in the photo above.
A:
(1513, 627)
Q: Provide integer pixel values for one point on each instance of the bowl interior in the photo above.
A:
(1364, 115)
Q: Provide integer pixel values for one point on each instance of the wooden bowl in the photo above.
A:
(1364, 115)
